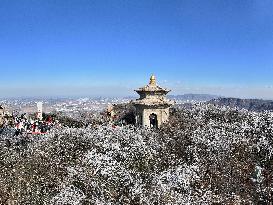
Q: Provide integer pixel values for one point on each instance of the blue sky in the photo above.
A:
(110, 47)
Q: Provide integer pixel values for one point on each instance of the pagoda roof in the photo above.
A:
(153, 102)
(149, 100)
(152, 88)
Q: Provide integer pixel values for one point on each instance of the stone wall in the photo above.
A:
(143, 116)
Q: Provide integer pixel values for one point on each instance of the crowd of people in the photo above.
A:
(37, 126)
(25, 124)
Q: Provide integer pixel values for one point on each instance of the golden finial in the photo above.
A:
(152, 80)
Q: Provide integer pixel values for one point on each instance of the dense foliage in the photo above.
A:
(204, 155)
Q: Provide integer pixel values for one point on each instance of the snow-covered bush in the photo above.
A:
(204, 155)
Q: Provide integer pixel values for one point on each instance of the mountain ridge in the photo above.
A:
(248, 104)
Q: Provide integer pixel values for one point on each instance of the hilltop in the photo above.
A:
(205, 154)
(249, 104)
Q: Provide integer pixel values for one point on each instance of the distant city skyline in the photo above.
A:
(109, 48)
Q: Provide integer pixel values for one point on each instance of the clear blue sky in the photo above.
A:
(98, 47)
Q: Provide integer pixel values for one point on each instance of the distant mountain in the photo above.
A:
(249, 104)
(193, 97)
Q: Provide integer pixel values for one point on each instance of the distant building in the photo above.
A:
(40, 110)
(2, 112)
(110, 111)
(152, 108)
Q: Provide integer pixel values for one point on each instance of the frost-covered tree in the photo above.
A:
(204, 155)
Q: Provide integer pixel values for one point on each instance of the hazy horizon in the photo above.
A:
(120, 91)
(134, 96)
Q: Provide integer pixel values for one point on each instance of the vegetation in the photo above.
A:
(204, 155)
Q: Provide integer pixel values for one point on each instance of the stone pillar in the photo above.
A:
(40, 110)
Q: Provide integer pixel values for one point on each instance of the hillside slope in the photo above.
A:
(249, 104)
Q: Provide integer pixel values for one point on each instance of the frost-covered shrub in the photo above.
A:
(204, 155)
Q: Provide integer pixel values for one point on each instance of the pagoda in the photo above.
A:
(152, 108)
